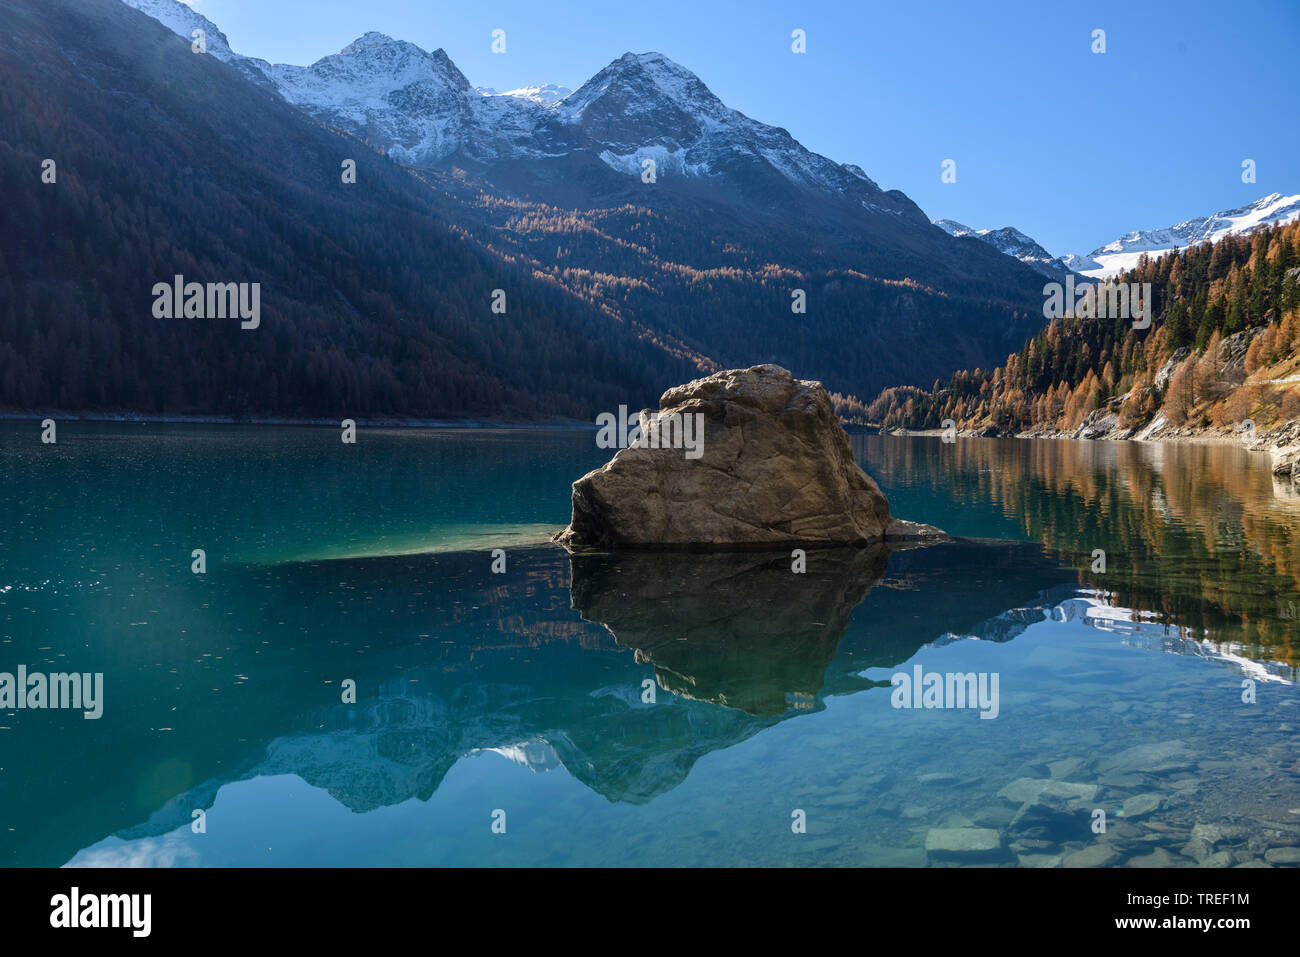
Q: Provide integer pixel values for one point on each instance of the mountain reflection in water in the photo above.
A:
(452, 660)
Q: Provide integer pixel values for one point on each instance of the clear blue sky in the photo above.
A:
(1072, 147)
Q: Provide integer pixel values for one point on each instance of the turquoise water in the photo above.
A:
(521, 698)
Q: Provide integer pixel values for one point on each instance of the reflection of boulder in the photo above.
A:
(523, 675)
(747, 458)
(1287, 488)
(735, 628)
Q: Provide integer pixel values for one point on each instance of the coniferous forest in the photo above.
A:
(1227, 306)
(168, 164)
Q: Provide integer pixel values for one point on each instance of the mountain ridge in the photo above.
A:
(419, 108)
(1123, 253)
(1012, 242)
(376, 289)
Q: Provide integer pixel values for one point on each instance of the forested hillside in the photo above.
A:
(715, 283)
(1222, 348)
(377, 295)
(167, 163)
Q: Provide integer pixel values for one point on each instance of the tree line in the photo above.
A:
(1215, 303)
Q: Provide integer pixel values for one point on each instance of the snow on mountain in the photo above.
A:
(1115, 257)
(954, 228)
(415, 105)
(1011, 242)
(1124, 253)
(548, 94)
(1080, 264)
(646, 105)
(420, 109)
(183, 20)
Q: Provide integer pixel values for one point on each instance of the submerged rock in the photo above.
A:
(1043, 790)
(1283, 855)
(774, 469)
(1141, 805)
(1098, 855)
(965, 844)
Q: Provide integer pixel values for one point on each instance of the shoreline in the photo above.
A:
(1265, 441)
(1273, 440)
(1280, 442)
(383, 423)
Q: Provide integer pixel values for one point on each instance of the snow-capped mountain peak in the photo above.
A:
(420, 109)
(373, 66)
(547, 94)
(1011, 242)
(954, 228)
(183, 20)
(1123, 253)
(640, 84)
(373, 41)
(1006, 236)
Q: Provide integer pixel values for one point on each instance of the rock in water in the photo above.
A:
(776, 470)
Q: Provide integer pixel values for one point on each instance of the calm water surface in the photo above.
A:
(1120, 691)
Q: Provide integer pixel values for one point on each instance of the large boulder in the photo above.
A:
(776, 470)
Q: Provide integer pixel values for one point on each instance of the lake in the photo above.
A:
(639, 709)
